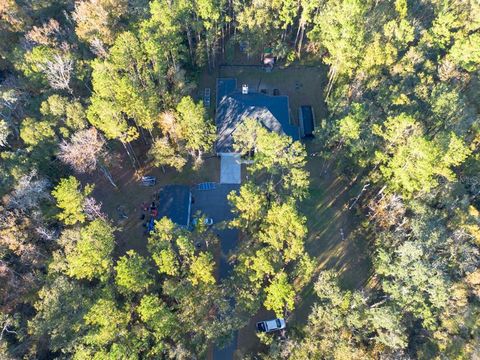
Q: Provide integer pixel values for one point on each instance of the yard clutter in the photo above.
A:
(148, 180)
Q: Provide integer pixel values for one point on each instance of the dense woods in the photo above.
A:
(84, 83)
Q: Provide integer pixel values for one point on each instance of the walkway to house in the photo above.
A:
(230, 169)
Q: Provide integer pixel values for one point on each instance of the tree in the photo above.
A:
(198, 133)
(466, 53)
(4, 133)
(249, 206)
(35, 133)
(107, 322)
(413, 282)
(166, 261)
(155, 313)
(411, 163)
(58, 71)
(163, 32)
(85, 152)
(339, 27)
(164, 154)
(280, 295)
(278, 155)
(89, 253)
(132, 273)
(284, 231)
(70, 198)
(98, 19)
(61, 307)
(201, 269)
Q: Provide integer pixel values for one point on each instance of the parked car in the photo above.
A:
(206, 221)
(271, 325)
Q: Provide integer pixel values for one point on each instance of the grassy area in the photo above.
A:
(334, 239)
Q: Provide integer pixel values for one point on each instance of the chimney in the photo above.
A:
(244, 89)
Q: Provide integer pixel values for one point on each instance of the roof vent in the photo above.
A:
(244, 89)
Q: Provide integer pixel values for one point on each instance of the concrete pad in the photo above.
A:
(230, 169)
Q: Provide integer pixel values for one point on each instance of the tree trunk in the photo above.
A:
(132, 159)
(108, 175)
(299, 40)
(133, 153)
(190, 43)
(208, 52)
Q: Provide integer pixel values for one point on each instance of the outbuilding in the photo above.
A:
(306, 119)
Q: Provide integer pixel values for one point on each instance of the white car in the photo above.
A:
(206, 221)
(271, 325)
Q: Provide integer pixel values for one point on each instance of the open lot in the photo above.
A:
(334, 237)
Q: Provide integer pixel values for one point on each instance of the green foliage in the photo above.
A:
(197, 131)
(275, 154)
(339, 28)
(402, 119)
(248, 205)
(70, 198)
(284, 231)
(411, 163)
(465, 52)
(280, 295)
(201, 269)
(174, 254)
(164, 154)
(132, 273)
(91, 256)
(413, 282)
(35, 133)
(157, 316)
(61, 306)
(107, 322)
(166, 262)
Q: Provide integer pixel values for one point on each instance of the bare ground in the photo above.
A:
(130, 194)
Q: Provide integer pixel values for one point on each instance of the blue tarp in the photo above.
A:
(151, 225)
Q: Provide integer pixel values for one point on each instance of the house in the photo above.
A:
(174, 202)
(234, 106)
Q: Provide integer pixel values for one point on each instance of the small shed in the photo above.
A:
(306, 119)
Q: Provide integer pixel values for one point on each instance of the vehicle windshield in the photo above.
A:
(278, 323)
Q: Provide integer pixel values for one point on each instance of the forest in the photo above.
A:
(91, 88)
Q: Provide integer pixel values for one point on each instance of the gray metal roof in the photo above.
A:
(233, 107)
(174, 203)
